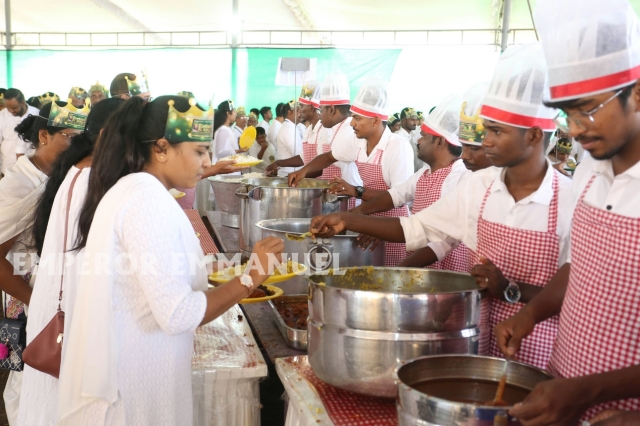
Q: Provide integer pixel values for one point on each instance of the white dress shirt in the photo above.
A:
(10, 143)
(224, 143)
(397, 161)
(343, 138)
(288, 144)
(269, 153)
(237, 131)
(301, 129)
(265, 125)
(272, 133)
(455, 216)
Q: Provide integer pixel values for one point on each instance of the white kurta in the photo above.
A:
(272, 133)
(10, 142)
(128, 359)
(39, 402)
(20, 190)
(225, 144)
(288, 144)
(454, 218)
(268, 157)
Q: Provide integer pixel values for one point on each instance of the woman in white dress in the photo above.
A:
(143, 288)
(39, 403)
(19, 192)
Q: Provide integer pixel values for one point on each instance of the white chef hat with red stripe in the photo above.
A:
(310, 94)
(591, 46)
(372, 99)
(472, 131)
(444, 120)
(518, 88)
(335, 90)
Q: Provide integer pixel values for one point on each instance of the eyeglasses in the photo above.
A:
(582, 119)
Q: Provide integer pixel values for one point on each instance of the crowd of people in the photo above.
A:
(526, 182)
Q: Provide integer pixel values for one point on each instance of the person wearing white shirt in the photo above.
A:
(240, 122)
(262, 150)
(288, 141)
(267, 115)
(408, 120)
(11, 147)
(593, 57)
(225, 142)
(440, 148)
(274, 126)
(516, 219)
(383, 159)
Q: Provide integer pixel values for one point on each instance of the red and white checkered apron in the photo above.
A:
(309, 150)
(523, 256)
(428, 191)
(600, 318)
(372, 178)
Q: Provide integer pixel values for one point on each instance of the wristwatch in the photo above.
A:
(247, 281)
(359, 191)
(512, 293)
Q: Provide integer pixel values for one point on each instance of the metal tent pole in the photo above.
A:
(506, 16)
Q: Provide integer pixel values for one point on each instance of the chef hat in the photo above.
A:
(472, 131)
(335, 90)
(591, 47)
(444, 120)
(517, 89)
(372, 100)
(310, 94)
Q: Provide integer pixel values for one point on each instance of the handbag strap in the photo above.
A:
(66, 230)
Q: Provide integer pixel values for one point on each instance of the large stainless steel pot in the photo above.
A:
(319, 255)
(278, 201)
(224, 188)
(363, 323)
(428, 387)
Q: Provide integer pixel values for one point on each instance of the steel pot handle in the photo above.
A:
(333, 198)
(255, 194)
(241, 193)
(319, 249)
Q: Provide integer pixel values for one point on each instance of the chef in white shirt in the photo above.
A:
(240, 123)
(440, 148)
(515, 217)
(315, 136)
(383, 159)
(335, 114)
(289, 140)
(11, 146)
(274, 126)
(593, 52)
(267, 115)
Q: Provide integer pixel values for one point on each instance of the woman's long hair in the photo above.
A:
(219, 119)
(81, 146)
(124, 148)
(29, 129)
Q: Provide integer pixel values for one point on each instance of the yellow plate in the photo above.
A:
(247, 164)
(248, 137)
(176, 194)
(229, 273)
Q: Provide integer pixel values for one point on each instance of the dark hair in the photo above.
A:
(14, 94)
(264, 110)
(284, 110)
(219, 119)
(260, 131)
(81, 146)
(34, 101)
(456, 151)
(29, 129)
(124, 148)
(344, 110)
(119, 84)
(279, 110)
(255, 111)
(623, 98)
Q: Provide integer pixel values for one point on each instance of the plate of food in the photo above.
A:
(242, 160)
(176, 194)
(262, 293)
(279, 276)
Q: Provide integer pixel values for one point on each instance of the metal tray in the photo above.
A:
(295, 338)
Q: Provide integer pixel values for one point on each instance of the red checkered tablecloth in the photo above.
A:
(346, 408)
(206, 242)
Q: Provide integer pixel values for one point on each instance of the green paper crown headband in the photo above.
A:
(139, 85)
(99, 88)
(68, 116)
(78, 93)
(194, 125)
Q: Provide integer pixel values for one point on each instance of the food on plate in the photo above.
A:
(242, 160)
(294, 314)
(260, 291)
(296, 237)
